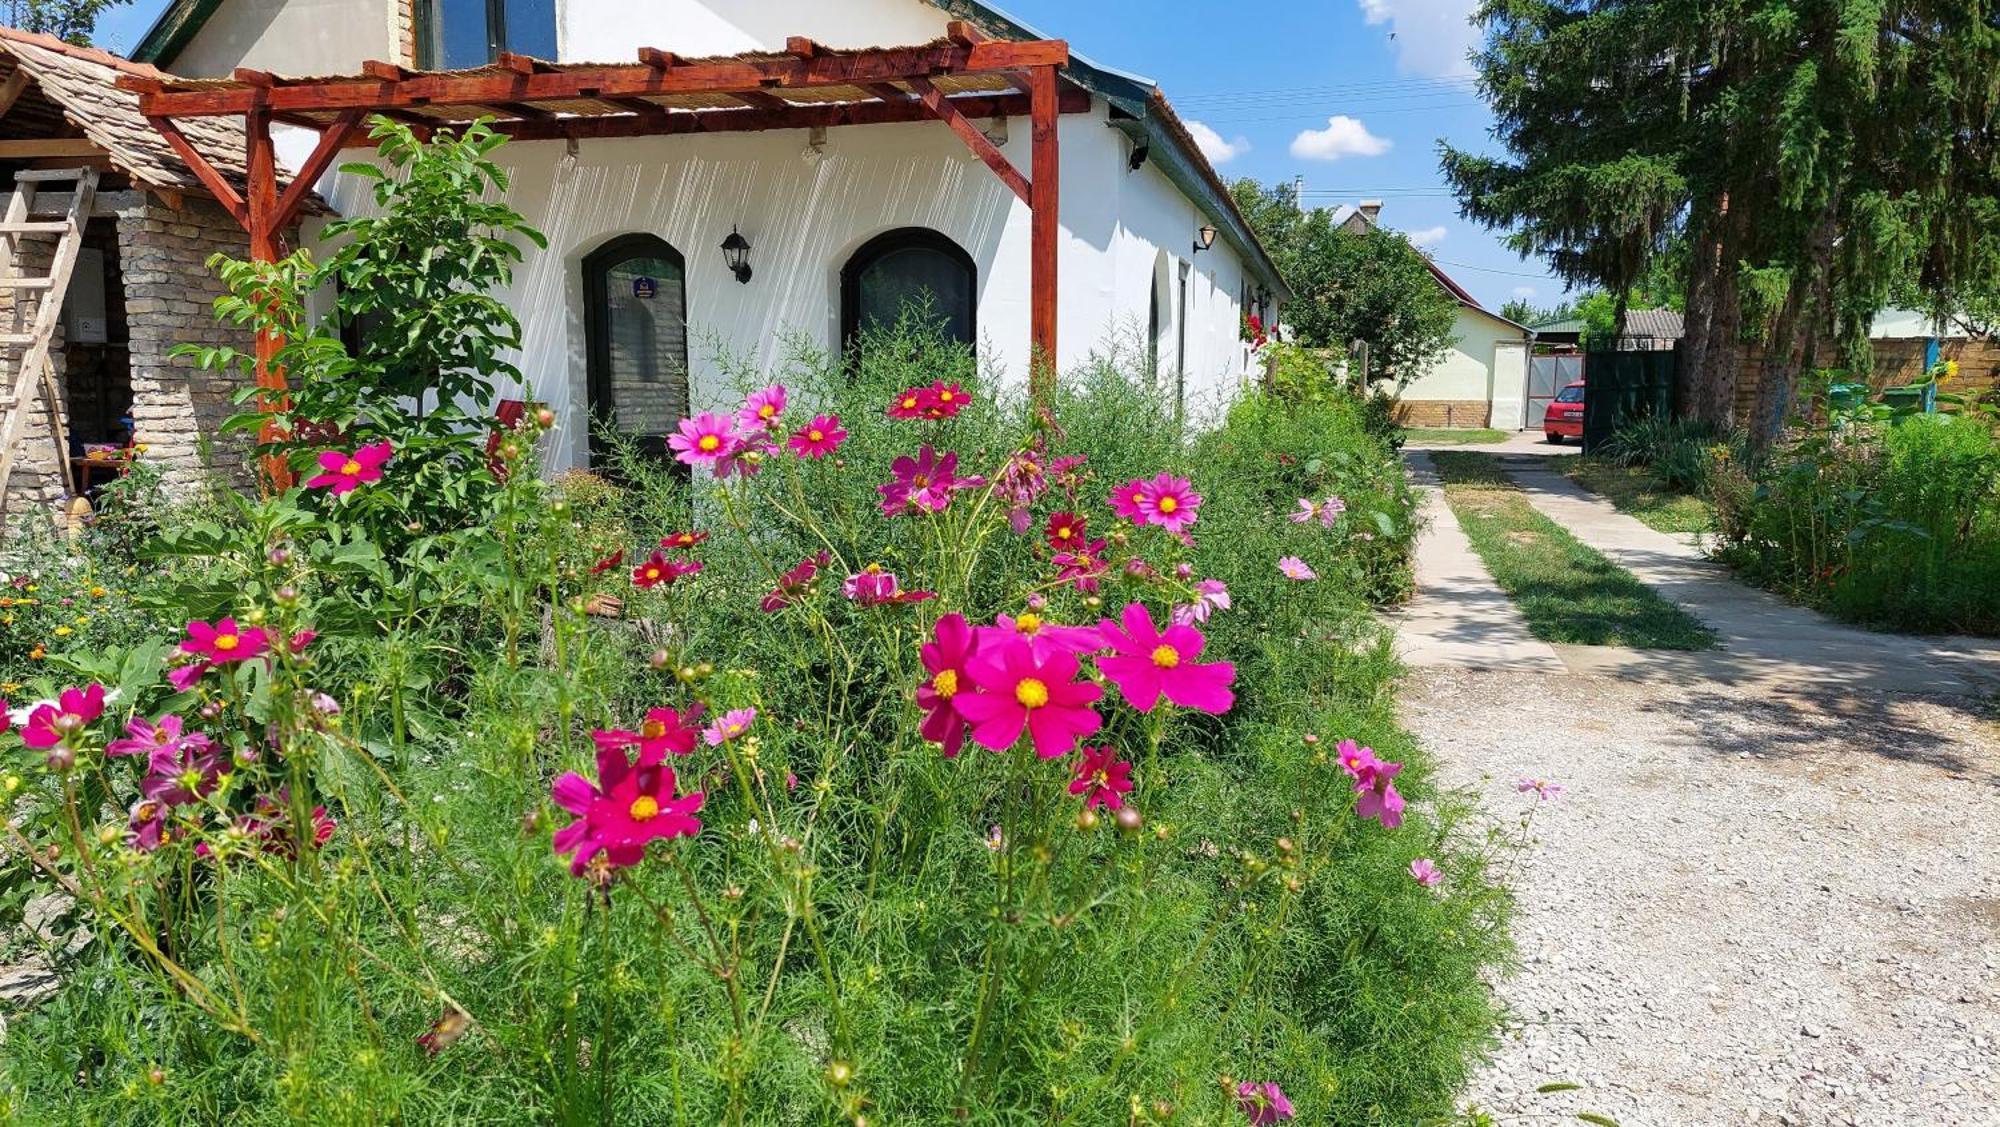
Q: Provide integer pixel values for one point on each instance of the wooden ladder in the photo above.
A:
(24, 346)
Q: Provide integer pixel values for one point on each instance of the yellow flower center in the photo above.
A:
(350, 467)
(652, 573)
(653, 729)
(1031, 693)
(921, 481)
(909, 401)
(766, 411)
(944, 397)
(1064, 533)
(1168, 504)
(226, 642)
(816, 435)
(1166, 657)
(945, 684)
(644, 808)
(1101, 778)
(709, 442)
(1029, 623)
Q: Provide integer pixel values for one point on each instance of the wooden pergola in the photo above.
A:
(955, 80)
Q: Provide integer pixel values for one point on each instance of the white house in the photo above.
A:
(840, 222)
(1483, 380)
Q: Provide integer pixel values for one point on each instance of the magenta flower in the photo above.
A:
(764, 409)
(188, 775)
(1426, 873)
(953, 644)
(1263, 1103)
(747, 456)
(874, 587)
(1210, 595)
(1043, 637)
(53, 723)
(925, 482)
(729, 725)
(658, 569)
(160, 743)
(663, 732)
(1293, 567)
(631, 805)
(1379, 799)
(1083, 568)
(1169, 502)
(223, 641)
(1101, 777)
(1066, 531)
(1017, 693)
(818, 438)
(1146, 663)
(703, 439)
(344, 473)
(148, 826)
(913, 403)
(946, 400)
(1544, 790)
(1358, 761)
(1125, 500)
(793, 584)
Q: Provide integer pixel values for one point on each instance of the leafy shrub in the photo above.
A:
(1678, 451)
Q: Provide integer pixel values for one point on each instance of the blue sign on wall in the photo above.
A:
(644, 287)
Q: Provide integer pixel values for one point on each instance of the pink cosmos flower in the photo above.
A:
(1169, 502)
(1019, 483)
(223, 641)
(1330, 510)
(659, 569)
(147, 828)
(631, 805)
(953, 644)
(1043, 637)
(1544, 790)
(1146, 663)
(72, 711)
(1295, 568)
(1426, 873)
(1308, 512)
(793, 584)
(747, 456)
(1210, 595)
(874, 587)
(1358, 761)
(188, 774)
(729, 725)
(344, 473)
(663, 732)
(682, 541)
(1101, 777)
(946, 400)
(1379, 799)
(1125, 500)
(1263, 1103)
(703, 439)
(913, 403)
(1017, 693)
(765, 408)
(1083, 568)
(160, 743)
(270, 825)
(818, 438)
(1066, 531)
(924, 482)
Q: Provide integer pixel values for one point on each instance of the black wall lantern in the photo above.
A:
(736, 251)
(1204, 238)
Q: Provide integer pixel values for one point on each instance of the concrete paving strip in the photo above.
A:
(1764, 639)
(1460, 618)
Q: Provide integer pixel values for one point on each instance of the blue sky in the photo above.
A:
(1353, 95)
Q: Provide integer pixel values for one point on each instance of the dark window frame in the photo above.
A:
(425, 13)
(890, 242)
(596, 267)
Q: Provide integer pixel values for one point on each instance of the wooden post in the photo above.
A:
(260, 198)
(1045, 226)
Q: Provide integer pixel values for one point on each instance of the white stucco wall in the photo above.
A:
(805, 217)
(291, 37)
(1487, 361)
(612, 30)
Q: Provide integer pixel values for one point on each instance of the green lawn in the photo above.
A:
(1568, 592)
(1452, 436)
(1638, 493)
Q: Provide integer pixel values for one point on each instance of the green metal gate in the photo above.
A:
(1625, 385)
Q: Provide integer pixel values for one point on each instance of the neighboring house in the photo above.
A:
(841, 223)
(1646, 330)
(140, 283)
(1482, 381)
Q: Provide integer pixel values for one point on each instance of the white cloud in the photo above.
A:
(1432, 37)
(1343, 137)
(1428, 237)
(1524, 292)
(1212, 146)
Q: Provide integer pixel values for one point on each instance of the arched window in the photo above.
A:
(635, 333)
(897, 269)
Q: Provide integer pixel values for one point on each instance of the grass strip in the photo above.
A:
(1568, 592)
(1452, 436)
(1638, 494)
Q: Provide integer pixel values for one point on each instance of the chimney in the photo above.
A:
(1371, 210)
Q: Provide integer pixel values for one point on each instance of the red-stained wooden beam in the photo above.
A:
(962, 32)
(803, 47)
(760, 99)
(823, 68)
(218, 186)
(332, 139)
(658, 59)
(1044, 234)
(260, 197)
(387, 72)
(942, 108)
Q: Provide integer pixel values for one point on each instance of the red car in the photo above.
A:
(1565, 417)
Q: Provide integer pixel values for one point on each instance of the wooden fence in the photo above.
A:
(1897, 362)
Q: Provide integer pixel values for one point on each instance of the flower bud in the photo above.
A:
(1087, 820)
(839, 1073)
(68, 724)
(279, 555)
(546, 418)
(704, 671)
(211, 710)
(1311, 739)
(156, 1076)
(286, 596)
(660, 660)
(61, 759)
(1128, 819)
(246, 756)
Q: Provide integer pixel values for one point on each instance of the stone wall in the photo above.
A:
(1443, 412)
(178, 409)
(1895, 362)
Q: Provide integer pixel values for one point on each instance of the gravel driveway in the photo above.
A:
(1745, 907)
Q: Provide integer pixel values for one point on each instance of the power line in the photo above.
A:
(1336, 89)
(1490, 269)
